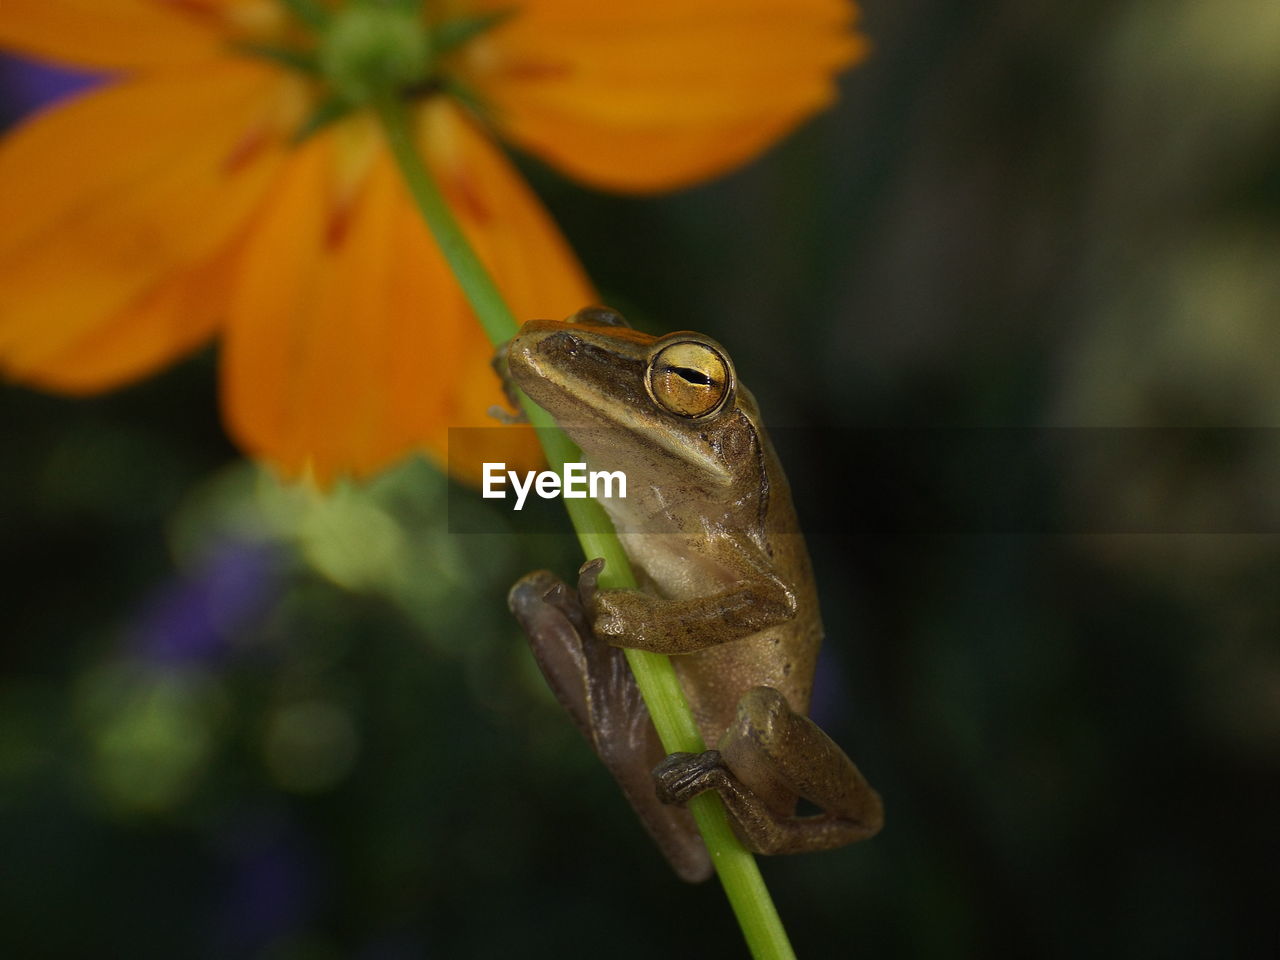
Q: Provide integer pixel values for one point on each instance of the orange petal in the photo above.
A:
(116, 34)
(349, 343)
(112, 209)
(310, 354)
(179, 315)
(657, 95)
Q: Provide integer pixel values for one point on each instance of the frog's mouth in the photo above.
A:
(573, 372)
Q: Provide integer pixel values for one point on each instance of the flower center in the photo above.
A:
(373, 48)
(359, 51)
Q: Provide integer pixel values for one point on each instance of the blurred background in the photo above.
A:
(239, 720)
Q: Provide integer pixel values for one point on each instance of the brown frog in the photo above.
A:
(726, 590)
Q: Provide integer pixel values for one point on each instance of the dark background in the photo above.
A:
(242, 721)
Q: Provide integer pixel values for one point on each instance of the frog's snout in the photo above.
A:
(525, 350)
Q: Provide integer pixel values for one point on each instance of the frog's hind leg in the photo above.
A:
(594, 683)
(768, 757)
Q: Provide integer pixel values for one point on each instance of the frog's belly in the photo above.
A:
(715, 679)
(676, 565)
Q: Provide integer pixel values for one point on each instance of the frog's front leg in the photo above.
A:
(594, 683)
(641, 621)
(770, 756)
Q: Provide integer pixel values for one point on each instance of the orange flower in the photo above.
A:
(182, 201)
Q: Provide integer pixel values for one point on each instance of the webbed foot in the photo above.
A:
(682, 776)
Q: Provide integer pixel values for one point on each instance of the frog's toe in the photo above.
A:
(558, 595)
(682, 776)
(506, 417)
(588, 580)
(590, 597)
(530, 590)
(516, 414)
(543, 604)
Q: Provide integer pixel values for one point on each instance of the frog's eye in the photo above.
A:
(689, 379)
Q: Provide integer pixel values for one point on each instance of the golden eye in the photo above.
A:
(689, 379)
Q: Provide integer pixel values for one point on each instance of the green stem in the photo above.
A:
(743, 885)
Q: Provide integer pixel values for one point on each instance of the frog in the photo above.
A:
(725, 588)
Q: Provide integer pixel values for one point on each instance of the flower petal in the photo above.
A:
(349, 343)
(112, 207)
(177, 316)
(657, 95)
(116, 34)
(513, 234)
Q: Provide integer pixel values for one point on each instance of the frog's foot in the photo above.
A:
(682, 776)
(594, 683)
(612, 613)
(768, 758)
(508, 417)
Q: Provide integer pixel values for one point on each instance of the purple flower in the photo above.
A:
(26, 85)
(191, 619)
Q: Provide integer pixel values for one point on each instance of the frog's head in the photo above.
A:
(622, 393)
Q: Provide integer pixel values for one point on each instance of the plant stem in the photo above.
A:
(656, 677)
